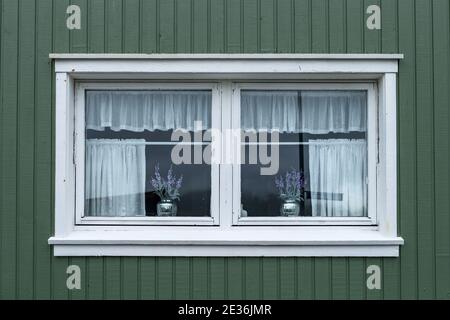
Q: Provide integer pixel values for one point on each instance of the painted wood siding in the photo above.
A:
(30, 30)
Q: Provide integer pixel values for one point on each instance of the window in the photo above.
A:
(317, 138)
(156, 156)
(132, 134)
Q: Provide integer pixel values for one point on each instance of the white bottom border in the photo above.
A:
(228, 250)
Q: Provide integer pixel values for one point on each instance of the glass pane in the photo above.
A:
(130, 169)
(318, 146)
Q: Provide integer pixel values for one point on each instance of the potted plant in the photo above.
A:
(290, 188)
(168, 190)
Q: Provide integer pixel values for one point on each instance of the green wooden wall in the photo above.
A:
(31, 29)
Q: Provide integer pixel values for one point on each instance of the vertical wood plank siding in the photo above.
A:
(31, 29)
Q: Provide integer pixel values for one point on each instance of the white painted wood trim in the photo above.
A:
(225, 67)
(372, 136)
(387, 168)
(79, 109)
(260, 235)
(64, 164)
(208, 56)
(224, 240)
(305, 221)
(227, 251)
(246, 241)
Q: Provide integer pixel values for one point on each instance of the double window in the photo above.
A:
(224, 164)
(299, 153)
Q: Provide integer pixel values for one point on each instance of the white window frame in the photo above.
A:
(227, 237)
(79, 154)
(372, 134)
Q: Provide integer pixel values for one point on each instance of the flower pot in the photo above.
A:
(290, 208)
(166, 208)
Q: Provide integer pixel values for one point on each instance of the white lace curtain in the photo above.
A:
(338, 170)
(148, 110)
(115, 177)
(315, 112)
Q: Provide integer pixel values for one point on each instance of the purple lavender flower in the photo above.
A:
(179, 182)
(166, 188)
(279, 183)
(291, 186)
(170, 178)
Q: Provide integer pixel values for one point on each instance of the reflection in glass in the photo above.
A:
(323, 135)
(128, 134)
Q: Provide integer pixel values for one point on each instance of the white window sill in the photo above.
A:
(252, 241)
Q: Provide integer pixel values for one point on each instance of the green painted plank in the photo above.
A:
(235, 277)
(182, 280)
(284, 26)
(407, 150)
(250, 26)
(441, 67)
(305, 278)
(59, 278)
(166, 26)
(234, 28)
(200, 278)
(200, 26)
(79, 37)
(319, 26)
(322, 278)
(61, 44)
(9, 40)
(148, 278)
(183, 25)
(356, 279)
(165, 279)
(131, 26)
(267, 26)
(337, 26)
(302, 26)
(339, 278)
(130, 278)
(218, 278)
(149, 26)
(114, 24)
(270, 280)
(288, 283)
(391, 279)
(43, 152)
(372, 37)
(217, 25)
(425, 151)
(95, 278)
(113, 284)
(96, 26)
(253, 278)
(61, 35)
(389, 44)
(389, 26)
(355, 26)
(25, 161)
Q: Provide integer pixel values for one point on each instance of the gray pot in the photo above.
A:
(290, 208)
(166, 208)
